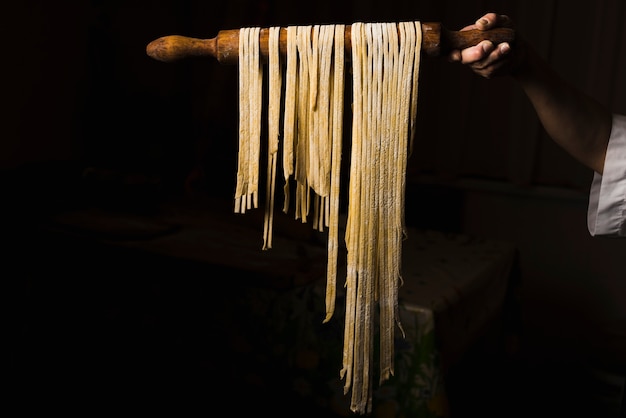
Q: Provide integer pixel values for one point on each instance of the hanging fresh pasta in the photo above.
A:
(385, 62)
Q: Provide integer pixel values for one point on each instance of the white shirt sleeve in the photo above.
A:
(606, 215)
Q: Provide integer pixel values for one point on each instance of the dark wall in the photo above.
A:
(82, 89)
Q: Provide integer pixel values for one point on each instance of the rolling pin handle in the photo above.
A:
(175, 47)
(464, 39)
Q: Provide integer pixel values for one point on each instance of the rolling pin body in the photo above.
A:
(436, 40)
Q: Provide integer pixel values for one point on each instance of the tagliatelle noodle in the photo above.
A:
(336, 126)
(274, 91)
(302, 123)
(289, 113)
(244, 124)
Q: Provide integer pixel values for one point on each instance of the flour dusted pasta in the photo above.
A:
(273, 122)
(250, 105)
(385, 61)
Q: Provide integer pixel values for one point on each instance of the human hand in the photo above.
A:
(485, 58)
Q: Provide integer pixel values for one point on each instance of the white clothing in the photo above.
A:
(606, 215)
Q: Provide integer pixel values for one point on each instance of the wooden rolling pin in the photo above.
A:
(436, 40)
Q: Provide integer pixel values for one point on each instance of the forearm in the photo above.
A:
(576, 122)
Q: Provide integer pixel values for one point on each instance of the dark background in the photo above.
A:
(89, 120)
